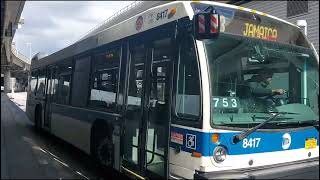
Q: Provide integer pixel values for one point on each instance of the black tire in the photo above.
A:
(104, 151)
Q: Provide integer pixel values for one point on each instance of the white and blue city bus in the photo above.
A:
(167, 92)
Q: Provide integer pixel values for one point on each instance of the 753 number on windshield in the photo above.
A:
(225, 102)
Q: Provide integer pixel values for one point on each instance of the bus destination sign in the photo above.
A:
(261, 32)
(255, 25)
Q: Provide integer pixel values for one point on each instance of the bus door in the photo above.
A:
(51, 81)
(147, 118)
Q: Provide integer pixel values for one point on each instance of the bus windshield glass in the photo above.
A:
(252, 78)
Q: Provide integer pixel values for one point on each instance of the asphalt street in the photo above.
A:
(28, 154)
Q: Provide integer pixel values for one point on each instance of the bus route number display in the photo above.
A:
(225, 102)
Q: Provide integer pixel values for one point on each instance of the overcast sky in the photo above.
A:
(52, 25)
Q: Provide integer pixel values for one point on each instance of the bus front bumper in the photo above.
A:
(299, 169)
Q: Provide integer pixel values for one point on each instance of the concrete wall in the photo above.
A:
(7, 81)
(19, 84)
(279, 9)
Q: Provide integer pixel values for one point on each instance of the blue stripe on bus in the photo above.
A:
(269, 141)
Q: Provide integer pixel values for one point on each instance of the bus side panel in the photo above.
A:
(72, 129)
(74, 124)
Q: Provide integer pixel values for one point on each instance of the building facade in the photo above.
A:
(292, 11)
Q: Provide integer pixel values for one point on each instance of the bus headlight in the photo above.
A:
(219, 154)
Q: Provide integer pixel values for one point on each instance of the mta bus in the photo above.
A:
(170, 92)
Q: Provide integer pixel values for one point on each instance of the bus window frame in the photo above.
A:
(43, 73)
(59, 73)
(51, 69)
(117, 45)
(196, 122)
(87, 55)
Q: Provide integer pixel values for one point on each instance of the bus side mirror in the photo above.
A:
(206, 25)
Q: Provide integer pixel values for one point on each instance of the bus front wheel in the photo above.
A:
(104, 149)
(102, 146)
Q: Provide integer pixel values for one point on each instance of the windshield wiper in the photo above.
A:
(244, 134)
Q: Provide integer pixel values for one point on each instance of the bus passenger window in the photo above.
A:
(61, 87)
(136, 78)
(54, 90)
(64, 89)
(162, 49)
(41, 84)
(161, 57)
(80, 84)
(134, 108)
(52, 84)
(188, 87)
(104, 84)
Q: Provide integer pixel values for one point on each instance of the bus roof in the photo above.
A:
(120, 28)
(140, 6)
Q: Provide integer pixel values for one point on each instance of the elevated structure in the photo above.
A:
(13, 64)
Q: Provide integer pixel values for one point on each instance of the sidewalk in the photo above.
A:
(23, 152)
(19, 99)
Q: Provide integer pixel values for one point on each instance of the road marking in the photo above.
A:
(61, 162)
(132, 173)
(52, 154)
(81, 174)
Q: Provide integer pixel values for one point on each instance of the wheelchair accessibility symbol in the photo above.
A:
(191, 141)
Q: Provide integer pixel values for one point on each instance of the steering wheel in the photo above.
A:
(272, 99)
(278, 101)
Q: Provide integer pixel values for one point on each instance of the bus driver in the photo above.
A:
(260, 94)
(259, 84)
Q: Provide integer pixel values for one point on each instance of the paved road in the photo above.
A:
(31, 155)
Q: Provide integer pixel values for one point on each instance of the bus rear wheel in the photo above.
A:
(104, 151)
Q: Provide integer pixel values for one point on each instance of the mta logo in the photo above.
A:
(191, 141)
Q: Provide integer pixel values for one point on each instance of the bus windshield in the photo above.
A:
(252, 78)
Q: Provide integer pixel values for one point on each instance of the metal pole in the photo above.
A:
(12, 87)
